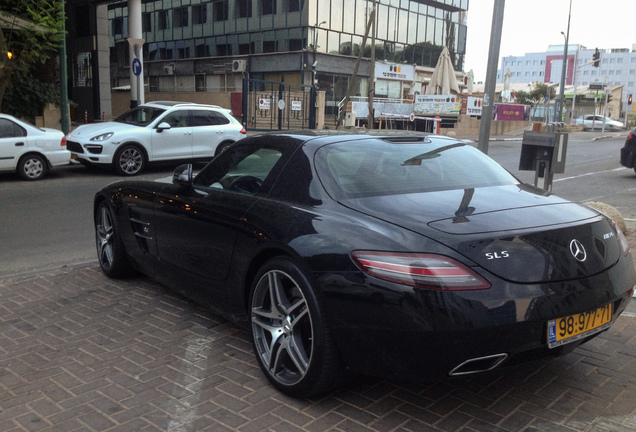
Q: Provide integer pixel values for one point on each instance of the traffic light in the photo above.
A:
(596, 58)
(629, 100)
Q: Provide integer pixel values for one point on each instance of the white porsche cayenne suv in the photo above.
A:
(155, 132)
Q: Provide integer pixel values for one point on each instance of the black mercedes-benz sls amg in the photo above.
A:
(409, 256)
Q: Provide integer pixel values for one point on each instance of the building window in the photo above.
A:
(294, 5)
(269, 46)
(224, 50)
(630, 84)
(146, 22)
(268, 7)
(202, 50)
(163, 20)
(619, 60)
(220, 10)
(180, 17)
(244, 9)
(295, 44)
(199, 15)
(83, 76)
(542, 62)
(118, 26)
(183, 52)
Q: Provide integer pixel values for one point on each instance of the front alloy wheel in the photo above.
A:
(110, 249)
(292, 343)
(129, 161)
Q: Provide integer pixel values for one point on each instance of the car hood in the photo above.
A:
(515, 232)
(93, 129)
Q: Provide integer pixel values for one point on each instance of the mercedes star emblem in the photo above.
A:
(577, 250)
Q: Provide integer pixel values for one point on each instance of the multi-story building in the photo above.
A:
(213, 45)
(616, 67)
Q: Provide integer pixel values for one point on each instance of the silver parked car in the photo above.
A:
(595, 122)
(155, 132)
(29, 150)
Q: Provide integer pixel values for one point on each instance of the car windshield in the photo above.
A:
(382, 167)
(140, 116)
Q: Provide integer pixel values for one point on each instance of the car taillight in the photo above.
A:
(419, 270)
(629, 136)
(63, 142)
(622, 239)
(243, 131)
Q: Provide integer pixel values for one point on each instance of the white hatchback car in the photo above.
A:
(30, 150)
(155, 132)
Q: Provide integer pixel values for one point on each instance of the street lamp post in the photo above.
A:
(313, 65)
(565, 64)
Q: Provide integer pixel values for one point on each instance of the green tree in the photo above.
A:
(535, 96)
(31, 30)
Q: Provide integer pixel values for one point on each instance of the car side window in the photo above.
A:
(208, 118)
(8, 129)
(177, 119)
(241, 170)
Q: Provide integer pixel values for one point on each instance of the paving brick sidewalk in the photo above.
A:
(80, 352)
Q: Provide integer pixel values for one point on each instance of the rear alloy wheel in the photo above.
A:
(292, 342)
(32, 167)
(129, 160)
(110, 248)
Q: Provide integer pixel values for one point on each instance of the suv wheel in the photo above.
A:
(129, 160)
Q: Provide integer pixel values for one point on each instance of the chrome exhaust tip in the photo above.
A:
(478, 364)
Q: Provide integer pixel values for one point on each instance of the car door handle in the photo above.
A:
(19, 144)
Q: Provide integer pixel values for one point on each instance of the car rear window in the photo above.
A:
(382, 167)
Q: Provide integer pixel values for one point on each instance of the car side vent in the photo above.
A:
(142, 233)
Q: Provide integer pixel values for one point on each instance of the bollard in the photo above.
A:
(438, 121)
(85, 116)
(103, 116)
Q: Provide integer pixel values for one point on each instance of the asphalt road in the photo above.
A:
(48, 224)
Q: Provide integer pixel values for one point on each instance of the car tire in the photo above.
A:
(129, 160)
(32, 167)
(110, 247)
(292, 341)
(222, 147)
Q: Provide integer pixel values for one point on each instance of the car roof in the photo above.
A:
(171, 104)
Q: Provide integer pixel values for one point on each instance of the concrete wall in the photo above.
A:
(121, 100)
(469, 127)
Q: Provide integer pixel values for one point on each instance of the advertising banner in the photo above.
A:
(474, 106)
(390, 71)
(510, 112)
(437, 104)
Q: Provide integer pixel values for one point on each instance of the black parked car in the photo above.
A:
(397, 256)
(628, 152)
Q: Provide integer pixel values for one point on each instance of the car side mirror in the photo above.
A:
(163, 126)
(182, 175)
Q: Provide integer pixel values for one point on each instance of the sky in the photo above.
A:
(530, 26)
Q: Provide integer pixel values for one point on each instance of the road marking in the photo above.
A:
(589, 174)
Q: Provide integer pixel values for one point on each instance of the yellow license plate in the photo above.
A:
(73, 156)
(574, 327)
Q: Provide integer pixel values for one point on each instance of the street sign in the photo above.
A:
(136, 67)
(597, 86)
